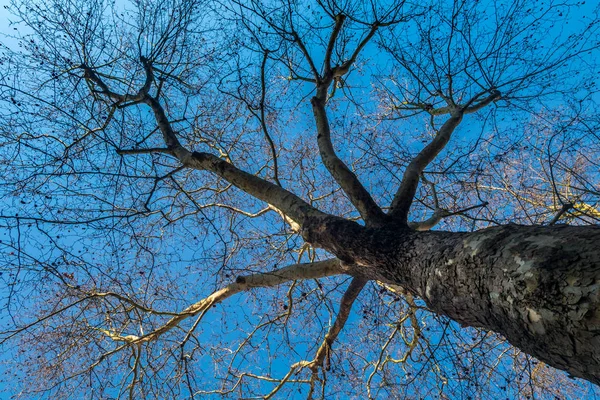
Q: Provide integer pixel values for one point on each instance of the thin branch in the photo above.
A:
(345, 67)
(144, 151)
(470, 107)
(438, 212)
(565, 207)
(262, 118)
(307, 55)
(94, 80)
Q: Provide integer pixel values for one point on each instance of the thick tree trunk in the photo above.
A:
(537, 286)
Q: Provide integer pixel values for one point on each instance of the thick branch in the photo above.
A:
(348, 181)
(470, 107)
(404, 197)
(339, 22)
(346, 303)
(290, 204)
(370, 212)
(314, 270)
(345, 67)
(410, 181)
(149, 76)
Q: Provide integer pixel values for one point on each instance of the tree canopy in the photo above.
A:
(249, 199)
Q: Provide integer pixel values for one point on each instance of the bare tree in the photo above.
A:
(400, 197)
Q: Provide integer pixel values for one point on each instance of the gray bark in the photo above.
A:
(539, 286)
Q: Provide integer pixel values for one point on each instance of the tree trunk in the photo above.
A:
(537, 286)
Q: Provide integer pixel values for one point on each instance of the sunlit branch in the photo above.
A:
(238, 210)
(290, 204)
(316, 270)
(411, 345)
(135, 350)
(285, 379)
(243, 375)
(287, 202)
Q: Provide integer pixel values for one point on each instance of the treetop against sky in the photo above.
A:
(300, 199)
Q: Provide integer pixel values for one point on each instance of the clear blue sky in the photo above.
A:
(9, 30)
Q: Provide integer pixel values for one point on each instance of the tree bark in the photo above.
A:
(539, 286)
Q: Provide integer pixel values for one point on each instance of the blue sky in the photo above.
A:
(279, 367)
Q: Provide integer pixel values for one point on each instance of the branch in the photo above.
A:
(307, 55)
(144, 151)
(339, 22)
(474, 105)
(94, 80)
(429, 223)
(438, 212)
(290, 204)
(149, 76)
(370, 212)
(410, 181)
(408, 187)
(411, 345)
(348, 181)
(565, 207)
(470, 107)
(262, 118)
(345, 67)
(346, 303)
(316, 270)
(287, 202)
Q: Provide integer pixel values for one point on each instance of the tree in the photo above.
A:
(423, 164)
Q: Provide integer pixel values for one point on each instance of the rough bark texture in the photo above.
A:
(537, 286)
